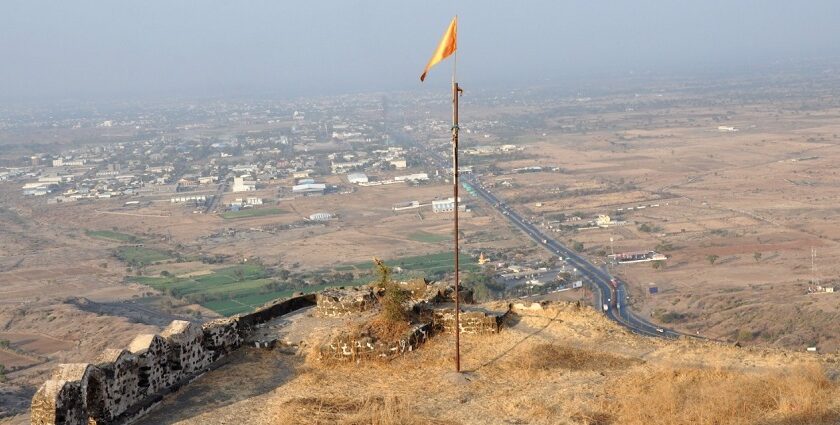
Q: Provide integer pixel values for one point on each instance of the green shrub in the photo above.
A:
(393, 298)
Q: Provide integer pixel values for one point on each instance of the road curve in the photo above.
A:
(599, 278)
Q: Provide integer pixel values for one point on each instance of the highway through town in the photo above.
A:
(599, 278)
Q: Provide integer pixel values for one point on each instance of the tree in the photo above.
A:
(2, 373)
(577, 246)
(239, 274)
(657, 264)
(757, 256)
(711, 258)
(283, 274)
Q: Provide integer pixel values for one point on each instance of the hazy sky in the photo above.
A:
(90, 49)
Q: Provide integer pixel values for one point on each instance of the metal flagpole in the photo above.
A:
(455, 92)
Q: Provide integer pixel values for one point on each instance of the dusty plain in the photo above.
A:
(747, 217)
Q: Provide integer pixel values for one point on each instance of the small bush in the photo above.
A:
(672, 317)
(392, 298)
(394, 316)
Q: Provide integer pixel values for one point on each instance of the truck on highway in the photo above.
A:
(606, 308)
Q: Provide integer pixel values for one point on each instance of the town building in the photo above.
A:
(242, 185)
(309, 189)
(447, 205)
(320, 216)
(356, 178)
(412, 177)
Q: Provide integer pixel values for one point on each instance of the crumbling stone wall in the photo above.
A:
(470, 322)
(345, 301)
(123, 384)
(346, 347)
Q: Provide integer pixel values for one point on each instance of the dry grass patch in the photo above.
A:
(797, 395)
(386, 330)
(544, 357)
(345, 411)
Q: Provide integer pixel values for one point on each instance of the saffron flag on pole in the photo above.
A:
(447, 46)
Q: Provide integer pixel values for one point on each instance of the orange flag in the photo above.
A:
(447, 46)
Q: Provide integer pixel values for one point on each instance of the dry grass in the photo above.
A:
(388, 330)
(344, 411)
(545, 357)
(798, 395)
(564, 369)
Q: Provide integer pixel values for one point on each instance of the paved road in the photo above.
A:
(599, 278)
(216, 199)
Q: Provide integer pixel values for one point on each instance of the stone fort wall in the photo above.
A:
(125, 383)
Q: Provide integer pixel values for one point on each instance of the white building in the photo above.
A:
(320, 216)
(252, 201)
(190, 198)
(343, 167)
(399, 163)
(356, 178)
(309, 188)
(412, 177)
(447, 205)
(242, 185)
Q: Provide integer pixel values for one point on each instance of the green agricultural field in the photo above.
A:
(430, 264)
(112, 236)
(227, 291)
(251, 212)
(242, 288)
(427, 237)
(138, 255)
(247, 303)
